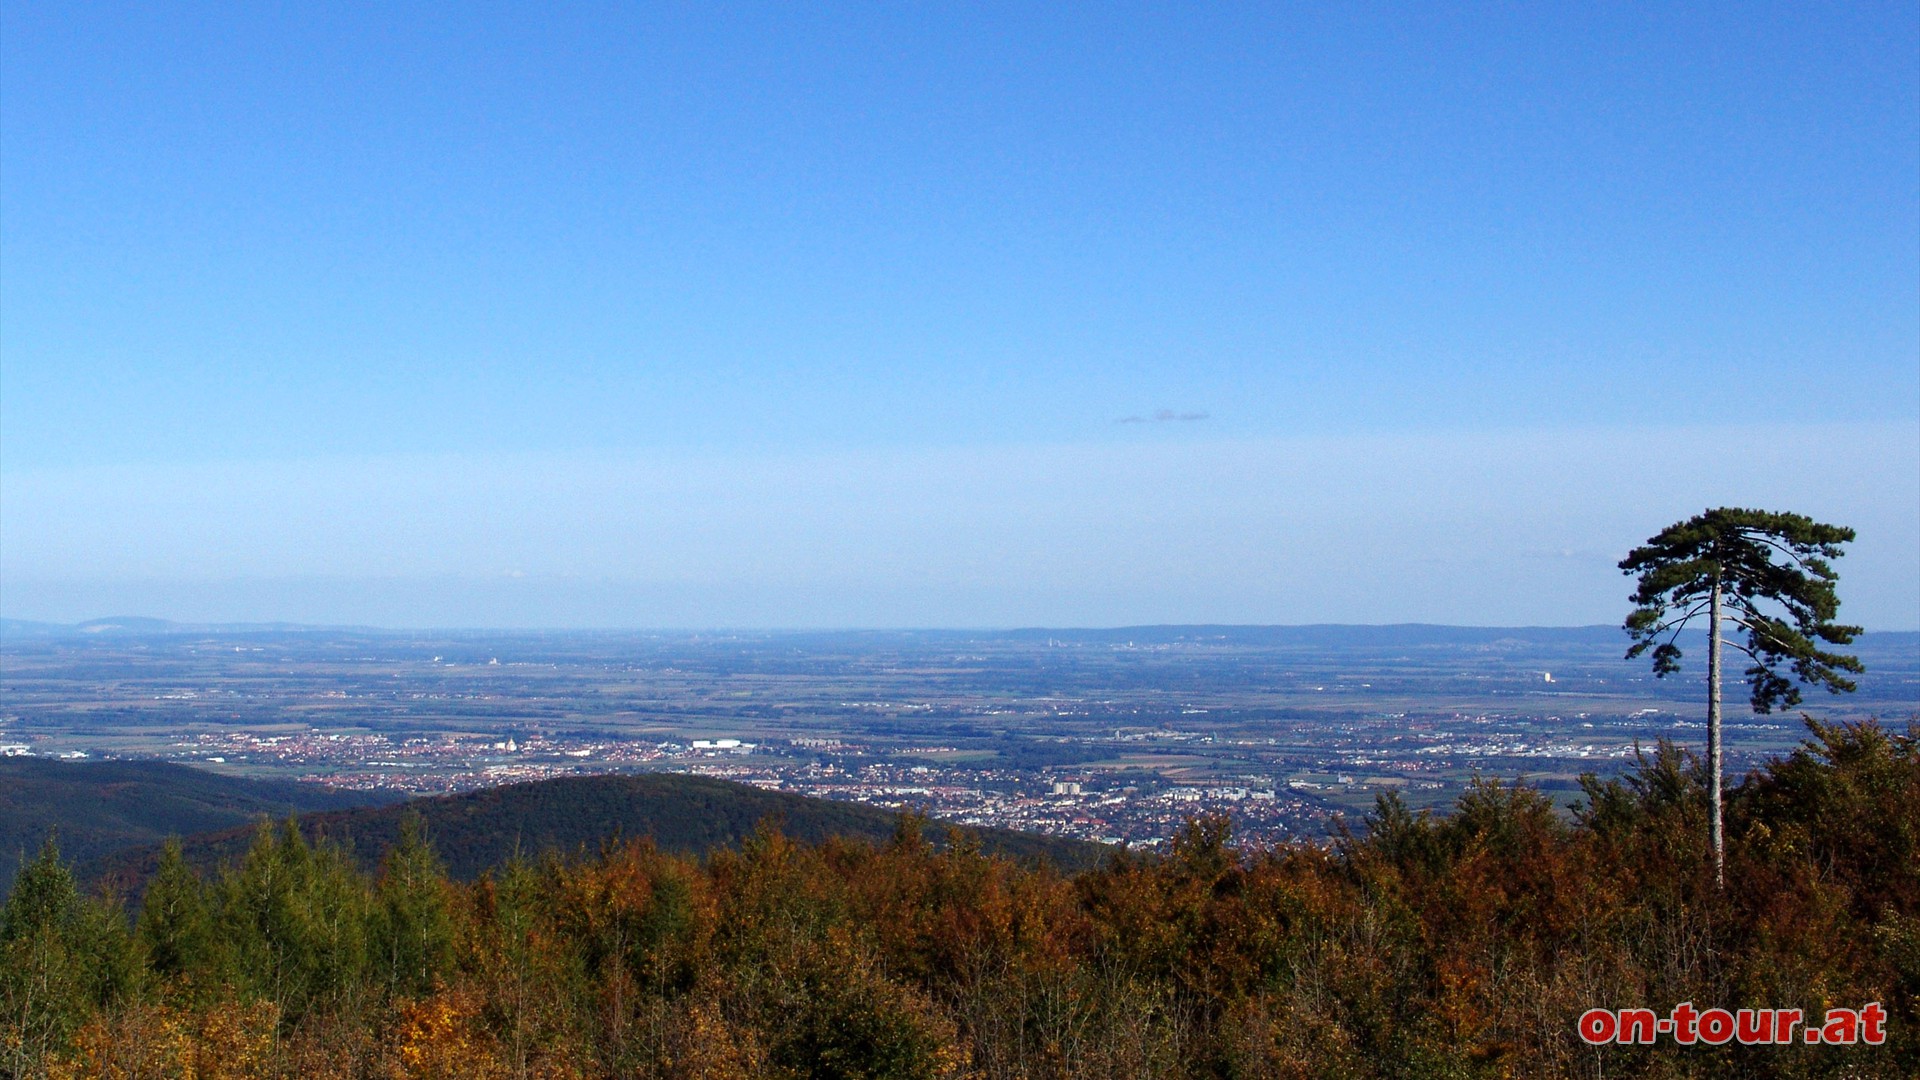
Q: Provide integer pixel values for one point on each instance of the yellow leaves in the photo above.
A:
(235, 1040)
(444, 1038)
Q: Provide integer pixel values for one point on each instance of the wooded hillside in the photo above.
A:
(476, 831)
(100, 807)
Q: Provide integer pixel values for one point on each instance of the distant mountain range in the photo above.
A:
(134, 626)
(1328, 634)
(112, 817)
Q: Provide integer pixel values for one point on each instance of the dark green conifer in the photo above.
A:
(175, 925)
(1768, 574)
(412, 930)
(61, 956)
(43, 896)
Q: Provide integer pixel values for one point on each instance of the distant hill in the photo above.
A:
(141, 626)
(99, 807)
(478, 830)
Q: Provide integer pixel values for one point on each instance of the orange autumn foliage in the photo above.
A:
(1454, 945)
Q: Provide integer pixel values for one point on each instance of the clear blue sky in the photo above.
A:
(931, 315)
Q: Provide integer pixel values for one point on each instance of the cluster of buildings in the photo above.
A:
(1137, 811)
(1137, 807)
(1271, 792)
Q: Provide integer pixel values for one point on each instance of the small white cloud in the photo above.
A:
(1162, 416)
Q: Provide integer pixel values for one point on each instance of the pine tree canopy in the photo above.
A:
(1776, 583)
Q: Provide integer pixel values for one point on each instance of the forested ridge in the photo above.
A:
(1458, 945)
(475, 831)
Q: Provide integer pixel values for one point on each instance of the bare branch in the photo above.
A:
(1679, 624)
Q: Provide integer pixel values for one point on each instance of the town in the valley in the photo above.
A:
(1117, 736)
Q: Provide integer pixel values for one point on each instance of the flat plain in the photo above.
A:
(1116, 735)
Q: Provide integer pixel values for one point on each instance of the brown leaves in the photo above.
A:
(226, 1040)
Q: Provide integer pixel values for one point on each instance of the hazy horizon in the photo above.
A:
(276, 626)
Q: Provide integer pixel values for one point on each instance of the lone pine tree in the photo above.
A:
(1766, 573)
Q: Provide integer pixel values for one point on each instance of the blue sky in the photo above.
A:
(728, 315)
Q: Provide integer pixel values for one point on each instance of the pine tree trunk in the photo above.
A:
(1713, 738)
